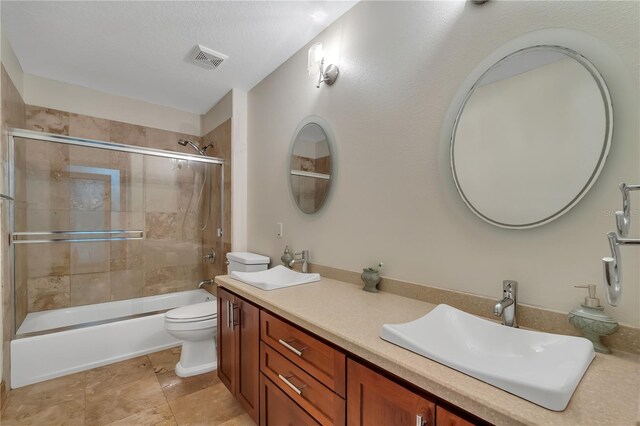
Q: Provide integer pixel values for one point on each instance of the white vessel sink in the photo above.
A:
(540, 367)
(275, 278)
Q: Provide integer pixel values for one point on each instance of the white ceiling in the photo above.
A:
(143, 50)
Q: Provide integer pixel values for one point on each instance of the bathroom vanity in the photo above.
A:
(312, 355)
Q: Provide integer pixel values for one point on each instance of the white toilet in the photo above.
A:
(196, 324)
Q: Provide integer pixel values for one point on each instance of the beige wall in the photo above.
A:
(76, 99)
(401, 63)
(217, 115)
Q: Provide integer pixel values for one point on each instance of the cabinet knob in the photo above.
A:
(420, 421)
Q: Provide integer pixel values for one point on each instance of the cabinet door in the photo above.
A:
(277, 409)
(227, 363)
(247, 326)
(445, 417)
(372, 399)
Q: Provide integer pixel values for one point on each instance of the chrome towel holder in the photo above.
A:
(612, 266)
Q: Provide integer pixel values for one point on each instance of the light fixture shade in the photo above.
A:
(314, 59)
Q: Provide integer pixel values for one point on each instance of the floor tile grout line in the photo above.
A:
(164, 395)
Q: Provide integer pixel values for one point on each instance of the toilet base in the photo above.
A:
(197, 357)
(194, 371)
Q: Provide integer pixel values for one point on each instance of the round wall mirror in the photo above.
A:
(531, 136)
(311, 167)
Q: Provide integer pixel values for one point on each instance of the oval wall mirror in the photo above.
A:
(531, 137)
(311, 166)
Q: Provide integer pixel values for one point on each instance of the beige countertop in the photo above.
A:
(609, 392)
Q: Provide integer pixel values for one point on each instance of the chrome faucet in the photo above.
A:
(508, 306)
(303, 257)
(204, 282)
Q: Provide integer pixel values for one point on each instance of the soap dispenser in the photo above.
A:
(591, 320)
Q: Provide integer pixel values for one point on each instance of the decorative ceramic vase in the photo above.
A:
(371, 278)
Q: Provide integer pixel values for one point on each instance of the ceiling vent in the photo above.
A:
(208, 58)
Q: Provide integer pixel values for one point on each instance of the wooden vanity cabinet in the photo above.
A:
(373, 399)
(445, 417)
(239, 350)
(284, 375)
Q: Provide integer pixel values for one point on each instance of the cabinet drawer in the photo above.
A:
(325, 406)
(277, 409)
(320, 360)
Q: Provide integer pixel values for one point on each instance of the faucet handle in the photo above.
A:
(510, 285)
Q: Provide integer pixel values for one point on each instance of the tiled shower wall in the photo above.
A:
(310, 192)
(220, 137)
(158, 195)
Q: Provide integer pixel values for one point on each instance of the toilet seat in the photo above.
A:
(193, 313)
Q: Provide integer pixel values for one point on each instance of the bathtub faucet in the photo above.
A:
(204, 282)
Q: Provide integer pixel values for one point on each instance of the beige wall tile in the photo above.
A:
(43, 220)
(47, 191)
(47, 293)
(220, 137)
(84, 126)
(161, 226)
(160, 253)
(131, 220)
(47, 259)
(45, 156)
(128, 134)
(87, 220)
(80, 156)
(86, 289)
(126, 284)
(163, 139)
(126, 255)
(170, 279)
(89, 257)
(22, 304)
(47, 120)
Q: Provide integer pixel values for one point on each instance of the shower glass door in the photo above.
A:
(94, 225)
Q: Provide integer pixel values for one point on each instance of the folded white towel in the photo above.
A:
(275, 278)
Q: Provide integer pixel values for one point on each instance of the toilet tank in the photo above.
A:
(246, 262)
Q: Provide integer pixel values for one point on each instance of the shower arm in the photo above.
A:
(612, 266)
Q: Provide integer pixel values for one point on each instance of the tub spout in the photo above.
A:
(204, 282)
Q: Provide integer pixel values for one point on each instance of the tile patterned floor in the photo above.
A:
(139, 391)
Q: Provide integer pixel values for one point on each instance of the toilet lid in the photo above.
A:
(197, 312)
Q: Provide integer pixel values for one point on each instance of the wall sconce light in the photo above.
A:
(315, 66)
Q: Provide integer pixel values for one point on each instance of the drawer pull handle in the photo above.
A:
(287, 344)
(291, 385)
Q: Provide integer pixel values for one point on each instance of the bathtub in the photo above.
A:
(85, 337)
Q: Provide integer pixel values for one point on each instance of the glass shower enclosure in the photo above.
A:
(103, 232)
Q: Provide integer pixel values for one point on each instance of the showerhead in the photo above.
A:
(185, 142)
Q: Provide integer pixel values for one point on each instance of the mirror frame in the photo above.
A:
(606, 97)
(314, 119)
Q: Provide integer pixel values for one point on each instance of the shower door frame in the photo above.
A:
(13, 133)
